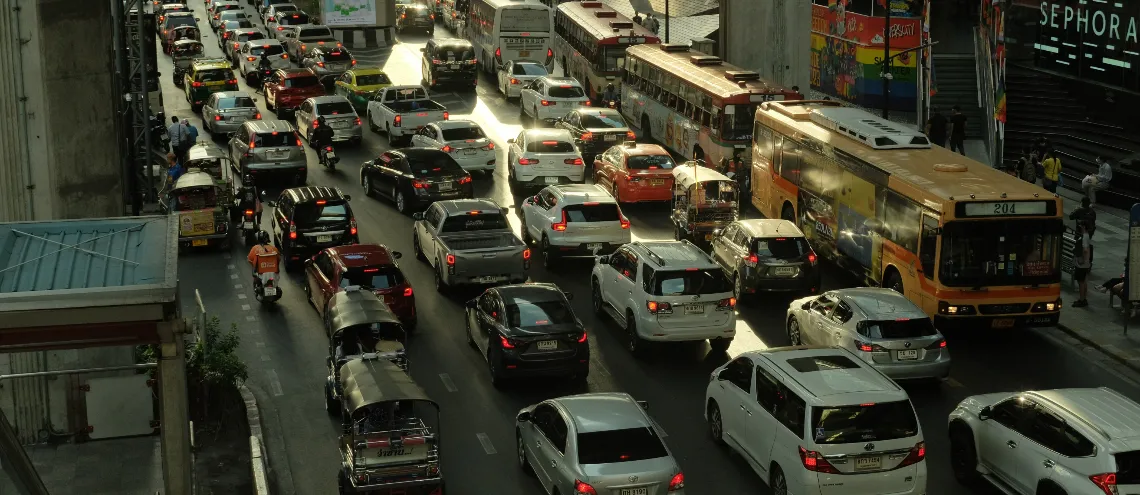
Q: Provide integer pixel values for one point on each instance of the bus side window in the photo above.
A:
(901, 220)
(716, 121)
(929, 245)
(790, 161)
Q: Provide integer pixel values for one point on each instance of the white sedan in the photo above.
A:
(464, 140)
(515, 74)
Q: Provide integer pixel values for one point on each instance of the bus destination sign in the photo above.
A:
(1005, 208)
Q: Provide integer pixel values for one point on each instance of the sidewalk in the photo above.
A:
(119, 466)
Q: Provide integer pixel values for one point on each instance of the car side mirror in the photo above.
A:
(347, 197)
(806, 306)
(985, 413)
(523, 416)
(418, 215)
(397, 254)
(511, 141)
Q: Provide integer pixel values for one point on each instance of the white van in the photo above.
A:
(504, 30)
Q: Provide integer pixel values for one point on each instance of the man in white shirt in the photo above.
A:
(1093, 183)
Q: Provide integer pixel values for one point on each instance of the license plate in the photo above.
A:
(200, 242)
(445, 186)
(909, 354)
(1003, 323)
(468, 152)
(868, 463)
(339, 125)
(454, 66)
(657, 182)
(524, 53)
(783, 270)
(551, 180)
(547, 345)
(611, 137)
(594, 246)
(695, 309)
(324, 238)
(490, 279)
(271, 291)
(278, 155)
(635, 491)
(247, 225)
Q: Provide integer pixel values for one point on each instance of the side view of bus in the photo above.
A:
(510, 30)
(590, 42)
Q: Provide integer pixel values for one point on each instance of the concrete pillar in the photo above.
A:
(358, 40)
(175, 412)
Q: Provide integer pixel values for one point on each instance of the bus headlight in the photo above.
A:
(1042, 307)
(945, 308)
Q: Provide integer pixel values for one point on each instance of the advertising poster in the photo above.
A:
(349, 13)
(195, 223)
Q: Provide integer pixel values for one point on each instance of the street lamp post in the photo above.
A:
(886, 75)
(667, 39)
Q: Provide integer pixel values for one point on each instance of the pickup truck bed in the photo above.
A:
(402, 107)
(484, 258)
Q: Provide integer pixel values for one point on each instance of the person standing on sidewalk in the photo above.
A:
(1093, 183)
(936, 127)
(1028, 166)
(1083, 258)
(1086, 215)
(1052, 166)
(177, 134)
(958, 130)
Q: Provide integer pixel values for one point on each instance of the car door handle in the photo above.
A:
(1049, 463)
(1011, 444)
(553, 463)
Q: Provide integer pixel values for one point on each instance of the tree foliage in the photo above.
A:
(213, 360)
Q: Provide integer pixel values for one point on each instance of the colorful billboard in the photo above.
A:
(348, 13)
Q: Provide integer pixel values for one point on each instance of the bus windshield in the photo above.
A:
(613, 58)
(738, 125)
(1007, 252)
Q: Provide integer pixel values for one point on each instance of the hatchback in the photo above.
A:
(225, 112)
(337, 112)
(328, 62)
(249, 58)
(573, 220)
(279, 25)
(415, 17)
(766, 255)
(464, 140)
(371, 267)
(516, 74)
(269, 147)
(547, 99)
(449, 61)
(231, 41)
(221, 18)
(879, 325)
(542, 157)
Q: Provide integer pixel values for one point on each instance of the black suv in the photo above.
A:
(449, 60)
(768, 255)
(415, 17)
(309, 219)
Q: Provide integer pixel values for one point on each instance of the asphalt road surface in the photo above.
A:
(285, 345)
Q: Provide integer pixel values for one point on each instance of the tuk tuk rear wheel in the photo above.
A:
(342, 484)
(332, 406)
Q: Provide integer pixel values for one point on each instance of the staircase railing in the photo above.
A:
(16, 468)
(984, 64)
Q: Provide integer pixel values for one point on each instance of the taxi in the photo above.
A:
(360, 85)
(635, 172)
(206, 77)
(371, 267)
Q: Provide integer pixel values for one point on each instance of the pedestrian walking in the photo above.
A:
(637, 18)
(936, 127)
(1028, 165)
(1083, 259)
(957, 130)
(1085, 214)
(652, 23)
(192, 132)
(1095, 182)
(179, 138)
(1052, 168)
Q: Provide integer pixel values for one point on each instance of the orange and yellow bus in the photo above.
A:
(692, 103)
(967, 243)
(590, 43)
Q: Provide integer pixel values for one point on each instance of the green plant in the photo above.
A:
(213, 361)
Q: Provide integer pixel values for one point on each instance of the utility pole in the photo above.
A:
(887, 76)
(667, 39)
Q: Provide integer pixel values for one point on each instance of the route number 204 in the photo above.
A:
(1005, 208)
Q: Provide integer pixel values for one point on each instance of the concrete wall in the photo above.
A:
(772, 37)
(59, 154)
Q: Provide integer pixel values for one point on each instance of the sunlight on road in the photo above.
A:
(746, 339)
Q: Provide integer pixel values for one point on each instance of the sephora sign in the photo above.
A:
(1093, 40)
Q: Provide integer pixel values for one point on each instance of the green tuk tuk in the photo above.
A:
(202, 219)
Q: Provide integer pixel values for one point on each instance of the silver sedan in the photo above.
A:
(601, 443)
(226, 111)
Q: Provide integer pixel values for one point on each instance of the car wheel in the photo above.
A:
(963, 455)
(716, 424)
(401, 202)
(549, 257)
(738, 286)
(525, 233)
(720, 345)
(494, 367)
(419, 250)
(366, 183)
(392, 140)
(524, 464)
(440, 286)
(596, 298)
(779, 484)
(634, 342)
(794, 335)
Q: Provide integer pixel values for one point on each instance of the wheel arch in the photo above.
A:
(789, 206)
(888, 272)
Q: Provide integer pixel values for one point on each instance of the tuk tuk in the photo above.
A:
(217, 163)
(183, 53)
(390, 432)
(360, 323)
(173, 35)
(202, 219)
(704, 200)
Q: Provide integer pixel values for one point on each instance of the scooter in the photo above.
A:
(329, 158)
(249, 227)
(265, 288)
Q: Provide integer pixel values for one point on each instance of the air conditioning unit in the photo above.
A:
(873, 131)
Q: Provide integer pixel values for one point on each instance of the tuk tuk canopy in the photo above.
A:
(688, 175)
(195, 191)
(186, 48)
(373, 381)
(353, 307)
(207, 159)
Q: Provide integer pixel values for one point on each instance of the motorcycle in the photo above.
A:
(329, 159)
(613, 104)
(249, 228)
(265, 288)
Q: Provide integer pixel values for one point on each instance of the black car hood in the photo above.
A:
(543, 330)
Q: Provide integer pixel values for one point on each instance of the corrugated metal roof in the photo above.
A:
(83, 254)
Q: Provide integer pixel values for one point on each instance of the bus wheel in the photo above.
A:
(893, 282)
(788, 213)
(646, 131)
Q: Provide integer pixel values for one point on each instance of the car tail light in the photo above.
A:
(354, 62)
(498, 53)
(196, 84)
(545, 103)
(420, 184)
(916, 455)
(271, 19)
(292, 230)
(447, 149)
(249, 213)
(937, 345)
(465, 180)
(624, 222)
(866, 347)
(217, 118)
(284, 56)
(257, 116)
(814, 461)
(549, 53)
(298, 141)
(358, 121)
(316, 123)
(321, 64)
(236, 46)
(630, 135)
(812, 258)
(528, 161)
(572, 161)
(408, 291)
(587, 136)
(506, 343)
(677, 483)
(587, 103)
(351, 223)
(514, 81)
(397, 121)
(436, 61)
(726, 304)
(751, 260)
(490, 146)
(280, 28)
(560, 226)
(303, 48)
(252, 145)
(432, 15)
(583, 488)
(583, 338)
(451, 260)
(446, 115)
(526, 254)
(232, 81)
(1106, 482)
(659, 308)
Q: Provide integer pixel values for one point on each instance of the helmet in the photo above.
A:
(610, 86)
(321, 120)
(262, 237)
(247, 179)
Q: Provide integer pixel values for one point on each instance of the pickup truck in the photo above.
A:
(402, 110)
(468, 242)
(301, 38)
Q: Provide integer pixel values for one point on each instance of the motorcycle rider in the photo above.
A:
(249, 198)
(321, 137)
(609, 94)
(264, 259)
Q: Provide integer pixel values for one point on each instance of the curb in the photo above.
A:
(1110, 351)
(259, 461)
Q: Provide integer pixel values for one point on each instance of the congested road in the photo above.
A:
(285, 345)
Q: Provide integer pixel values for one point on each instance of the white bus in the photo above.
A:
(504, 30)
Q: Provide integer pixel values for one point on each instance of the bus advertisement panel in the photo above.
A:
(590, 42)
(694, 104)
(510, 30)
(970, 245)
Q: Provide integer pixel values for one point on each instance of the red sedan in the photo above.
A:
(370, 266)
(635, 172)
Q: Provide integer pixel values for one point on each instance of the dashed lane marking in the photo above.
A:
(237, 286)
(954, 383)
(233, 276)
(226, 256)
(485, 440)
(230, 266)
(274, 383)
(241, 296)
(245, 307)
(448, 383)
(259, 344)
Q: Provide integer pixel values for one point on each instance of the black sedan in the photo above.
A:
(528, 330)
(414, 178)
(596, 129)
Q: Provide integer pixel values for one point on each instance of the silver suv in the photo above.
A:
(269, 147)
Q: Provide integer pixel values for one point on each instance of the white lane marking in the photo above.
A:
(237, 286)
(259, 344)
(226, 255)
(241, 296)
(245, 307)
(264, 357)
(954, 383)
(274, 383)
(230, 266)
(488, 447)
(448, 383)
(233, 276)
(251, 318)
(660, 431)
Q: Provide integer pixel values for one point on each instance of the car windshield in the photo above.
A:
(528, 70)
(455, 52)
(690, 282)
(302, 82)
(538, 313)
(977, 253)
(463, 133)
(372, 79)
(472, 223)
(433, 164)
(238, 102)
(902, 328)
(311, 213)
(257, 50)
(373, 277)
(214, 75)
(550, 147)
(284, 8)
(272, 139)
(337, 56)
(605, 212)
(614, 446)
(649, 162)
(565, 91)
(602, 121)
(781, 248)
(863, 423)
(335, 108)
(315, 33)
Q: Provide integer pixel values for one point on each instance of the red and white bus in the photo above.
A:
(695, 104)
(590, 41)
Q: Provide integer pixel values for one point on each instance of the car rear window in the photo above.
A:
(781, 248)
(233, 15)
(603, 121)
(293, 19)
(425, 165)
(372, 79)
(268, 49)
(538, 313)
(226, 6)
(649, 162)
(463, 133)
(250, 37)
(302, 82)
(455, 52)
(565, 91)
(550, 147)
(529, 70)
(239, 102)
(335, 108)
(373, 277)
(337, 56)
(270, 139)
(311, 213)
(614, 446)
(473, 223)
(606, 212)
(1128, 468)
(690, 282)
(177, 21)
(285, 8)
(315, 32)
(237, 24)
(897, 329)
(863, 422)
(214, 75)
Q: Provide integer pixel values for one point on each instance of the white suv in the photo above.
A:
(817, 420)
(542, 157)
(548, 99)
(249, 56)
(574, 220)
(665, 291)
(1076, 441)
